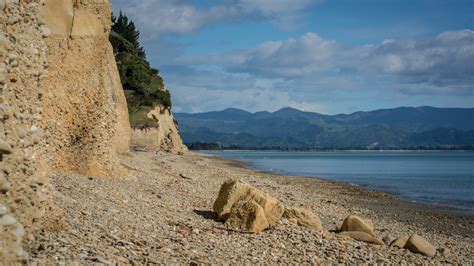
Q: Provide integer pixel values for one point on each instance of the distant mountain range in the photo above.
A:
(402, 127)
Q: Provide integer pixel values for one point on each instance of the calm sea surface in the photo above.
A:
(443, 178)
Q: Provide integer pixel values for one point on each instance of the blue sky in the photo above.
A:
(329, 56)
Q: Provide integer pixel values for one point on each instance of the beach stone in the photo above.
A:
(247, 216)
(400, 242)
(356, 223)
(19, 231)
(362, 236)
(5, 147)
(387, 240)
(303, 217)
(444, 251)
(5, 187)
(418, 244)
(233, 191)
(3, 73)
(7, 220)
(3, 210)
(293, 221)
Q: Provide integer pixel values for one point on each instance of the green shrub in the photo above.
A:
(143, 86)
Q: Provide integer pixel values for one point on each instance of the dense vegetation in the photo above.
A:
(143, 86)
(201, 146)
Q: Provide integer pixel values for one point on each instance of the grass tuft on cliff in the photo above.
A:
(143, 86)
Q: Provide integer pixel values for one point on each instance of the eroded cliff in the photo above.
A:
(23, 188)
(85, 112)
(62, 109)
(163, 137)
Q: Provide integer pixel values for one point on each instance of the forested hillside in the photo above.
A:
(403, 127)
(143, 86)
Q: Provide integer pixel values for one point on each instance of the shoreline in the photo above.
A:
(442, 210)
(435, 207)
(335, 150)
(164, 215)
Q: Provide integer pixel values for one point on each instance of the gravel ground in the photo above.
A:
(163, 214)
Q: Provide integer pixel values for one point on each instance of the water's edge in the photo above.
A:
(429, 206)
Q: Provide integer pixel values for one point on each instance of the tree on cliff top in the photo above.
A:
(143, 86)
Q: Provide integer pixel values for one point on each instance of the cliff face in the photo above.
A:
(23, 188)
(62, 108)
(163, 137)
(85, 111)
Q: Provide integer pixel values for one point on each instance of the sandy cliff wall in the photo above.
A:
(62, 108)
(22, 65)
(165, 137)
(84, 108)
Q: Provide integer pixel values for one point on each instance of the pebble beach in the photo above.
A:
(162, 214)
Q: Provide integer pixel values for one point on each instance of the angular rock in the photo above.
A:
(400, 242)
(355, 223)
(418, 244)
(247, 216)
(5, 147)
(362, 236)
(233, 191)
(304, 217)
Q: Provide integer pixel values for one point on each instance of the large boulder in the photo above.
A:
(362, 236)
(247, 216)
(304, 217)
(418, 244)
(355, 223)
(234, 191)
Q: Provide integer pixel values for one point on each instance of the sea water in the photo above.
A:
(442, 178)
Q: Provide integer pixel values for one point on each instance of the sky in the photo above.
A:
(327, 56)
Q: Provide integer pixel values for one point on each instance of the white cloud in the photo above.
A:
(252, 99)
(442, 61)
(157, 17)
(284, 13)
(316, 74)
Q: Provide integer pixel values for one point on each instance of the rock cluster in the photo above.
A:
(244, 207)
(248, 209)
